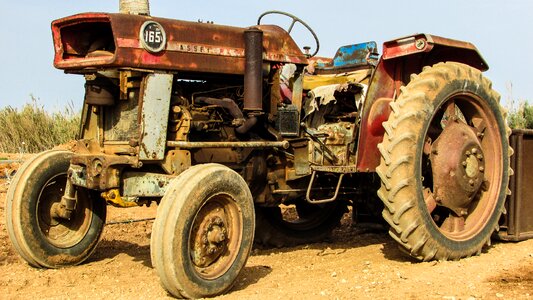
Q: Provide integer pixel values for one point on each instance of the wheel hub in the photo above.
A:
(458, 167)
(211, 240)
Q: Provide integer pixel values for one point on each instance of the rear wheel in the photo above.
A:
(40, 237)
(203, 232)
(297, 224)
(445, 163)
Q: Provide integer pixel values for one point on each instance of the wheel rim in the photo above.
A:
(461, 166)
(62, 233)
(215, 236)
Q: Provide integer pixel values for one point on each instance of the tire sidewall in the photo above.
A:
(47, 254)
(213, 183)
(454, 87)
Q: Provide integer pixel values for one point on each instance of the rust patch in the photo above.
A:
(112, 40)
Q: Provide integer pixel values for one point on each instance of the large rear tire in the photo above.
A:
(203, 232)
(40, 238)
(444, 163)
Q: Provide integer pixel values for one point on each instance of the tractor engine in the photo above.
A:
(173, 94)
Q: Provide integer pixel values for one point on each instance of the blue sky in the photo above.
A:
(502, 31)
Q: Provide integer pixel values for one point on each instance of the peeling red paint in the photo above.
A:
(222, 46)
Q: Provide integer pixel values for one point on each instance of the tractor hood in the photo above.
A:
(91, 41)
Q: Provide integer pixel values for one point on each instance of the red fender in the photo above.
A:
(401, 58)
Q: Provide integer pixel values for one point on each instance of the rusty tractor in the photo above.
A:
(223, 127)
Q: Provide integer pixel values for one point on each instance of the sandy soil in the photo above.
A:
(353, 264)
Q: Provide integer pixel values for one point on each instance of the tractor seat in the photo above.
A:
(348, 58)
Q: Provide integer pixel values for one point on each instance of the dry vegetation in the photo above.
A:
(521, 117)
(32, 129)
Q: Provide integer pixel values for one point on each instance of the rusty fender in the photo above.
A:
(401, 58)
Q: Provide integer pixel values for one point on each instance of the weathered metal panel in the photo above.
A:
(353, 54)
(407, 46)
(191, 46)
(382, 86)
(154, 118)
(517, 225)
(455, 50)
(142, 184)
(349, 56)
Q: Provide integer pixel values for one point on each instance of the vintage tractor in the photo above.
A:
(223, 126)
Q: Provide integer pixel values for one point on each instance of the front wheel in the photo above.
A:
(41, 238)
(444, 163)
(203, 232)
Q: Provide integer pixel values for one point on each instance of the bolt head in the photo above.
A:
(420, 44)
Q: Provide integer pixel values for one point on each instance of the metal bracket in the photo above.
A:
(313, 201)
(67, 205)
(155, 111)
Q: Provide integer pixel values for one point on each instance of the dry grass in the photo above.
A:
(521, 116)
(32, 129)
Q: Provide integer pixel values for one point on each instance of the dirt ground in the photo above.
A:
(353, 264)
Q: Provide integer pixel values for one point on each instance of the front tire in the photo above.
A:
(203, 232)
(41, 239)
(444, 163)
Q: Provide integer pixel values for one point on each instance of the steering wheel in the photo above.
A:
(295, 19)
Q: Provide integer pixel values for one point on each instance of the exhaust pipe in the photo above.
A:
(134, 7)
(253, 72)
